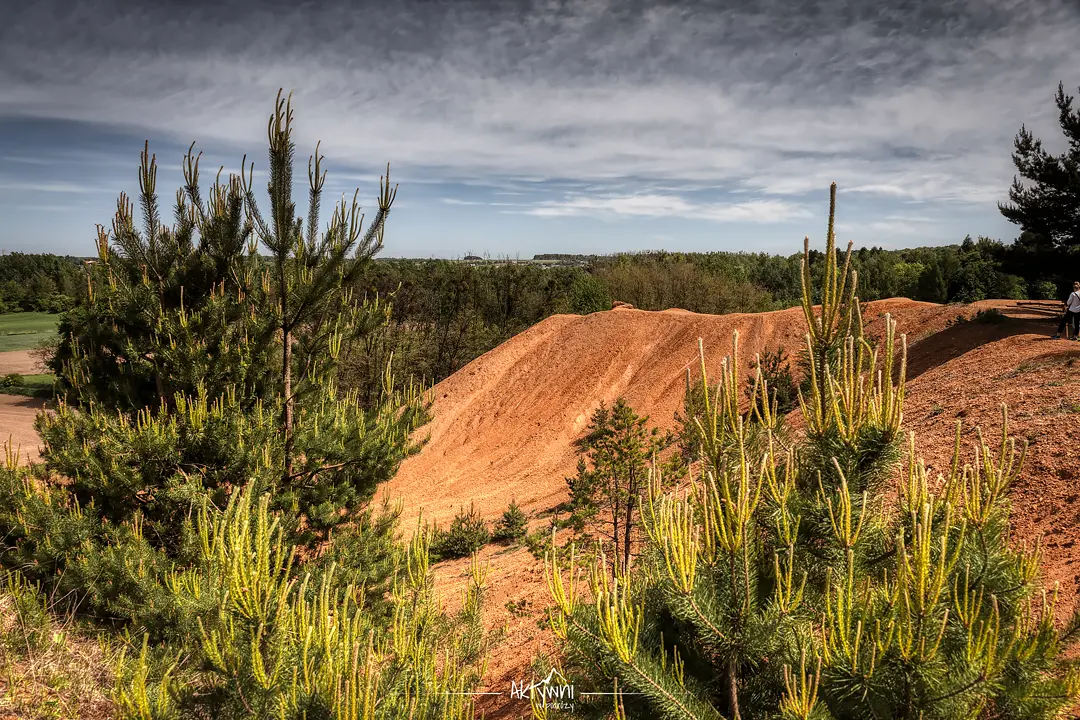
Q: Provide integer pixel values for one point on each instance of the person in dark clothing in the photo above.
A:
(1072, 314)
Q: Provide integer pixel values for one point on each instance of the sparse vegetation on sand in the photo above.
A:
(785, 583)
(51, 667)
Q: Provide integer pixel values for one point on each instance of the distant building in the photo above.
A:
(473, 257)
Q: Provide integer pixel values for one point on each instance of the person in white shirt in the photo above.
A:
(1072, 313)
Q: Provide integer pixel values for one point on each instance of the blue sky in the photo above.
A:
(524, 127)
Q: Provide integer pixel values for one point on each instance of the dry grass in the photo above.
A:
(49, 668)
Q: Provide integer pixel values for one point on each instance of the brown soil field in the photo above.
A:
(17, 415)
(504, 425)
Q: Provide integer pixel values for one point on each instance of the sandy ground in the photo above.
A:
(1015, 362)
(17, 413)
(20, 361)
(504, 425)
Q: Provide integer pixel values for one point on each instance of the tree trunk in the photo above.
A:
(286, 375)
(631, 495)
(287, 421)
(823, 363)
(615, 530)
(733, 691)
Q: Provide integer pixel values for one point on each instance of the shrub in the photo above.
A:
(107, 571)
(990, 316)
(513, 524)
(539, 542)
(1042, 290)
(776, 372)
(468, 533)
(13, 380)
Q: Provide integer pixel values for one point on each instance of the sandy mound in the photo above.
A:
(504, 426)
(505, 423)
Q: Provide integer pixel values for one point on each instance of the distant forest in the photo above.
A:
(445, 313)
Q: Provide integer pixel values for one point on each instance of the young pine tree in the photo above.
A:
(270, 644)
(784, 585)
(613, 474)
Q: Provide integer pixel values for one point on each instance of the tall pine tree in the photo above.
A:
(197, 365)
(1047, 209)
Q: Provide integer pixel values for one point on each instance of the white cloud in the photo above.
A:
(654, 205)
(49, 187)
(674, 99)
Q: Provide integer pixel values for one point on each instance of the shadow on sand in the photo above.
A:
(1025, 318)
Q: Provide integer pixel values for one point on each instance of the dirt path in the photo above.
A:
(17, 415)
(20, 361)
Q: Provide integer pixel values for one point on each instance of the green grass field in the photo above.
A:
(23, 331)
(39, 386)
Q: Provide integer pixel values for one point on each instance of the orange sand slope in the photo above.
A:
(504, 426)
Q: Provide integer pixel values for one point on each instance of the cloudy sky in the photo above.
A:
(526, 126)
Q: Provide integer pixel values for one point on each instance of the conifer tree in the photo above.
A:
(783, 584)
(183, 503)
(271, 645)
(313, 273)
(613, 474)
(1046, 208)
(197, 365)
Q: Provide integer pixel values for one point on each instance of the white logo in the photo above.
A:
(554, 691)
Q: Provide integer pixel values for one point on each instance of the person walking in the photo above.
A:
(1072, 314)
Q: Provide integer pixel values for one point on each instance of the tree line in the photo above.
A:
(32, 282)
(441, 314)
